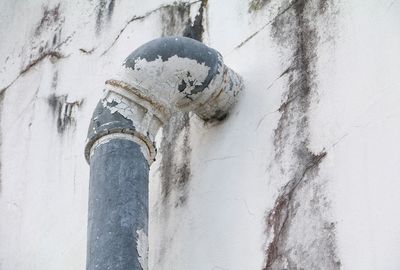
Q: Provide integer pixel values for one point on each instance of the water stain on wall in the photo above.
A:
(195, 29)
(256, 5)
(47, 34)
(47, 38)
(104, 12)
(175, 164)
(63, 111)
(174, 18)
(302, 205)
(175, 145)
(51, 16)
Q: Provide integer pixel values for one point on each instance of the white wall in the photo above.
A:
(302, 175)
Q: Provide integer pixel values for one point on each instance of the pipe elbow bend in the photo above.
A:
(160, 77)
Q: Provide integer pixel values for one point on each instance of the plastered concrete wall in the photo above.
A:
(303, 174)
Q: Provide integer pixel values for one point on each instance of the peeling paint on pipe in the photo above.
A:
(158, 78)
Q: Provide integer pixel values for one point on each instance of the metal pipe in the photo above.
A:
(163, 75)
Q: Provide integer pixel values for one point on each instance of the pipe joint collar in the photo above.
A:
(118, 115)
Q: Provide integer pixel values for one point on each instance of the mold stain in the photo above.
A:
(63, 111)
(47, 38)
(50, 17)
(174, 18)
(301, 205)
(195, 30)
(47, 34)
(51, 55)
(175, 167)
(176, 154)
(105, 10)
(256, 5)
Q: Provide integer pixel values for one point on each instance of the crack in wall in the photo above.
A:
(288, 7)
(300, 233)
(52, 55)
(48, 33)
(178, 7)
(45, 42)
(285, 208)
(176, 154)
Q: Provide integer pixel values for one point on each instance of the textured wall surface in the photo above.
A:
(303, 174)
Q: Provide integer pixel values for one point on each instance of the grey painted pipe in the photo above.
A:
(158, 78)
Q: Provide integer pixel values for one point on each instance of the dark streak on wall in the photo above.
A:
(176, 155)
(54, 81)
(256, 5)
(49, 17)
(195, 30)
(63, 111)
(301, 205)
(174, 18)
(52, 55)
(47, 34)
(175, 167)
(105, 10)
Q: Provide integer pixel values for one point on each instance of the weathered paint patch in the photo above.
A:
(116, 103)
(171, 78)
(64, 111)
(301, 234)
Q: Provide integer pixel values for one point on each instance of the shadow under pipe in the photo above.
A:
(158, 78)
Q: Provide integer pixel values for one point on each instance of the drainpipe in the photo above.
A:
(158, 78)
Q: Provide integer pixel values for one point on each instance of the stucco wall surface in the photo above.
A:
(303, 173)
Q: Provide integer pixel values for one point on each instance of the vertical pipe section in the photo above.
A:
(118, 189)
(118, 206)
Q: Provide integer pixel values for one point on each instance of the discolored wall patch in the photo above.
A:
(104, 12)
(63, 111)
(195, 29)
(175, 164)
(175, 167)
(300, 230)
(174, 18)
(255, 5)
